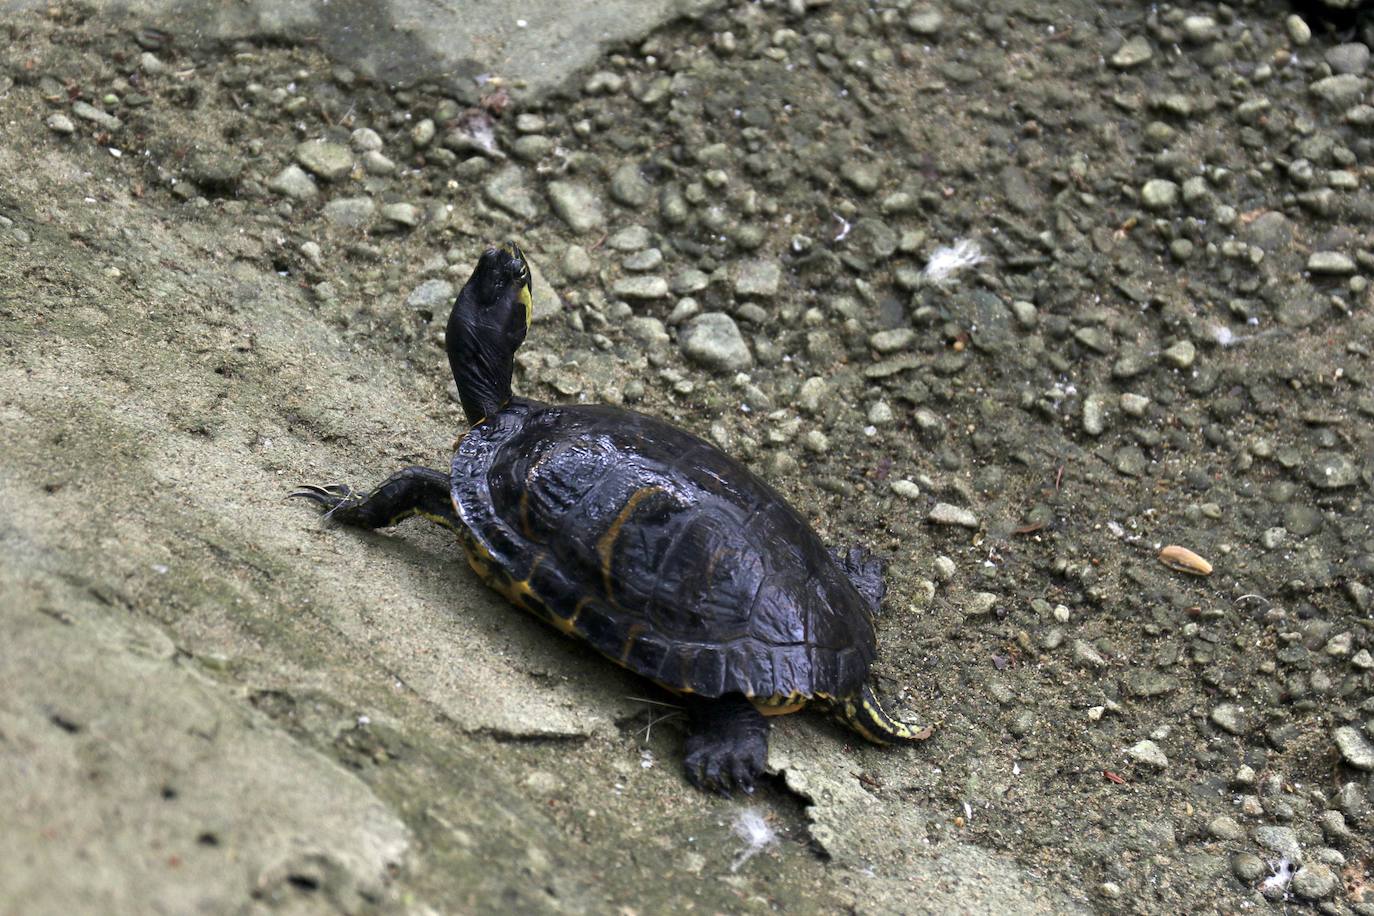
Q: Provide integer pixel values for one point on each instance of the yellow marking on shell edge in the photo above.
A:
(780, 704)
(568, 625)
(606, 545)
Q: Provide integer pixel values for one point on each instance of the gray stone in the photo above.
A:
(1085, 656)
(1271, 231)
(647, 330)
(862, 175)
(60, 124)
(874, 238)
(980, 603)
(948, 514)
(576, 204)
(433, 296)
(1281, 840)
(758, 278)
(1180, 355)
(1133, 53)
(638, 288)
(326, 160)
(905, 488)
(1134, 405)
(1348, 58)
(631, 238)
(402, 214)
(640, 261)
(1095, 413)
(214, 170)
(1314, 882)
(1148, 753)
(1332, 470)
(1355, 750)
(893, 340)
(1159, 194)
(629, 188)
(1231, 718)
(713, 340)
(422, 134)
(350, 212)
(293, 182)
(364, 139)
(1225, 828)
(1200, 29)
(1299, 32)
(1248, 867)
(1340, 91)
(508, 190)
(689, 281)
(104, 120)
(577, 263)
(376, 163)
(531, 147)
(1330, 262)
(926, 22)
(813, 394)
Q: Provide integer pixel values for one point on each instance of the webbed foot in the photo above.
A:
(728, 746)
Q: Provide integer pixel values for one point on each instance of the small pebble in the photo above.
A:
(1133, 53)
(905, 489)
(947, 514)
(1330, 262)
(326, 160)
(1299, 32)
(1314, 881)
(60, 124)
(1355, 750)
(1225, 828)
(1159, 194)
(1230, 718)
(1281, 840)
(1148, 753)
(713, 340)
(980, 603)
(1181, 354)
(944, 568)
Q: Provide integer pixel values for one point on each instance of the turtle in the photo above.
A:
(665, 554)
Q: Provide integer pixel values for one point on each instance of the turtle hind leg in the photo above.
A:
(866, 715)
(410, 491)
(865, 570)
(728, 745)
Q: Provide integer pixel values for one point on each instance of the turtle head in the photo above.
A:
(486, 327)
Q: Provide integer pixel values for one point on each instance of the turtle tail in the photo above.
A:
(866, 715)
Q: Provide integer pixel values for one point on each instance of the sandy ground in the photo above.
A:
(211, 703)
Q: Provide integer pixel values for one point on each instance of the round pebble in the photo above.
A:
(713, 340)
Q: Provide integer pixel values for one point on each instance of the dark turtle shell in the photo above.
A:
(664, 553)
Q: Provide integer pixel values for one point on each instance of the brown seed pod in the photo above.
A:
(1184, 560)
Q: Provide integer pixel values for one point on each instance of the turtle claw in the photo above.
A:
(332, 497)
(722, 763)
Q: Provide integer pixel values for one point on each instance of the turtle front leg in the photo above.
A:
(410, 491)
(728, 744)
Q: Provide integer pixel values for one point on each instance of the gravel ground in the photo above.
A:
(1018, 298)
